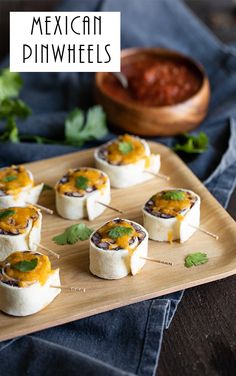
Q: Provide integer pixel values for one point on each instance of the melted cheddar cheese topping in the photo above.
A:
(137, 152)
(95, 180)
(16, 223)
(40, 273)
(171, 207)
(13, 179)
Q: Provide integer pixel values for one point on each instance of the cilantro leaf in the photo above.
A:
(195, 259)
(173, 195)
(119, 231)
(6, 213)
(125, 147)
(14, 107)
(25, 265)
(9, 178)
(10, 84)
(73, 234)
(78, 131)
(47, 187)
(11, 132)
(193, 144)
(81, 182)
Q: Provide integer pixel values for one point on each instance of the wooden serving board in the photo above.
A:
(154, 279)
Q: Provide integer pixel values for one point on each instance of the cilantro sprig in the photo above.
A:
(73, 234)
(81, 182)
(193, 144)
(25, 265)
(8, 178)
(119, 231)
(78, 130)
(174, 195)
(6, 213)
(195, 259)
(125, 147)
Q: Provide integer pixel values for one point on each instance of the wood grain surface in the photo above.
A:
(154, 279)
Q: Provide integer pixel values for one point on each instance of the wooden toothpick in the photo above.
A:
(43, 208)
(204, 231)
(69, 288)
(110, 207)
(156, 260)
(157, 174)
(48, 250)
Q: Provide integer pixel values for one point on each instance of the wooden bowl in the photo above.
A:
(155, 121)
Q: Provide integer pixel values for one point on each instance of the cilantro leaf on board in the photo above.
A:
(81, 182)
(193, 144)
(10, 84)
(119, 231)
(25, 265)
(8, 178)
(47, 187)
(78, 130)
(195, 259)
(73, 234)
(125, 147)
(173, 195)
(6, 213)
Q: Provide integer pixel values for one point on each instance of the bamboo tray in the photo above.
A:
(155, 279)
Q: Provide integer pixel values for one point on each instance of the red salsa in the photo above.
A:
(155, 82)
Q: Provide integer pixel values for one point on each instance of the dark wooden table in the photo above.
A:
(202, 337)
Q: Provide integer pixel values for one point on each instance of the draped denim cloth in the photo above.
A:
(125, 341)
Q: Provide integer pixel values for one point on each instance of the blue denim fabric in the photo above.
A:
(125, 341)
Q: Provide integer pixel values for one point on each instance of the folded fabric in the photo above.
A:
(125, 341)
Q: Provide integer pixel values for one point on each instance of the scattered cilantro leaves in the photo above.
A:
(119, 231)
(125, 147)
(6, 213)
(193, 144)
(195, 259)
(78, 130)
(81, 182)
(8, 178)
(25, 265)
(173, 195)
(73, 234)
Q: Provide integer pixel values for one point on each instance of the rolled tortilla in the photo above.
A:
(17, 187)
(23, 293)
(20, 229)
(127, 161)
(168, 219)
(114, 258)
(79, 192)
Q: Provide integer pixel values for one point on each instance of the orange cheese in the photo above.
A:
(95, 179)
(122, 241)
(18, 221)
(22, 180)
(41, 272)
(170, 207)
(115, 155)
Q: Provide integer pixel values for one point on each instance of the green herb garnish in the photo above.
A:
(125, 147)
(25, 266)
(6, 213)
(119, 231)
(193, 144)
(8, 178)
(72, 234)
(195, 259)
(81, 182)
(174, 195)
(78, 130)
(47, 187)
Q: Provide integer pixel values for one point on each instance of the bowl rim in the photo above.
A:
(132, 51)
